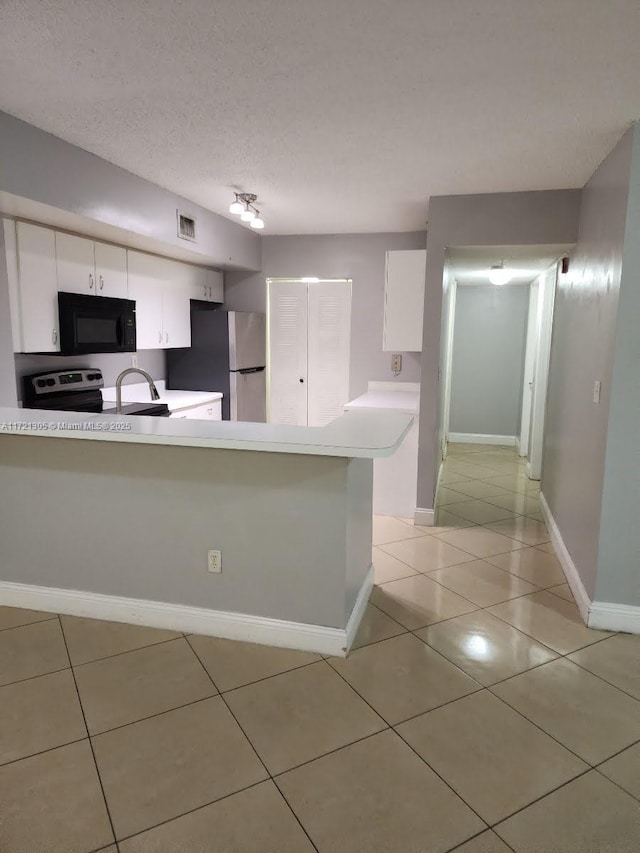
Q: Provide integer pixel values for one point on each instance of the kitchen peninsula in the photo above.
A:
(123, 512)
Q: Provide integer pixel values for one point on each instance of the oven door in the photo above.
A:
(91, 324)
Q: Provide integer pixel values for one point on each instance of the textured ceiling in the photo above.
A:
(343, 115)
(470, 265)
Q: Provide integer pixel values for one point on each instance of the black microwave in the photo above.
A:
(91, 324)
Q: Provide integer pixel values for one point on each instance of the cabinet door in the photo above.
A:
(329, 338)
(37, 288)
(198, 283)
(145, 287)
(111, 271)
(287, 380)
(215, 286)
(76, 264)
(176, 304)
(404, 301)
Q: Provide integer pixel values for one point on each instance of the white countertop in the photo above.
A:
(396, 396)
(138, 392)
(356, 434)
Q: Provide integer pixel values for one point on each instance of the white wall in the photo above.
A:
(488, 359)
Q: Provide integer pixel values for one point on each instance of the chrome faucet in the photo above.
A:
(152, 387)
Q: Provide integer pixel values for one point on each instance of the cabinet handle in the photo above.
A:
(210, 293)
(54, 336)
(90, 282)
(101, 283)
(205, 291)
(159, 337)
(166, 337)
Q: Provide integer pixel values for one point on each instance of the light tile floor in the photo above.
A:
(476, 712)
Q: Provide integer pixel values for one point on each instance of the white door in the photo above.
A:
(38, 288)
(76, 264)
(111, 271)
(529, 369)
(546, 302)
(287, 346)
(329, 338)
(309, 346)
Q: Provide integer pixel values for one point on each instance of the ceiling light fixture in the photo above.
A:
(498, 274)
(244, 207)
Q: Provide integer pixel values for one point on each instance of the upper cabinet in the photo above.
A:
(404, 300)
(33, 284)
(85, 266)
(41, 262)
(161, 291)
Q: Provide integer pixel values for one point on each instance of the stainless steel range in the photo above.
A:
(78, 391)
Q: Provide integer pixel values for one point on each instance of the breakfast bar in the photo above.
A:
(122, 514)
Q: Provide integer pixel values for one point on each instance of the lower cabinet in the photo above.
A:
(210, 412)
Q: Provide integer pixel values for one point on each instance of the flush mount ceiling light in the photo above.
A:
(499, 275)
(244, 207)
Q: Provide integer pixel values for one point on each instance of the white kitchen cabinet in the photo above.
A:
(33, 280)
(209, 412)
(176, 305)
(92, 268)
(404, 300)
(75, 262)
(145, 287)
(162, 296)
(205, 285)
(111, 271)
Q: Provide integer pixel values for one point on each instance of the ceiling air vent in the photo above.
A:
(186, 226)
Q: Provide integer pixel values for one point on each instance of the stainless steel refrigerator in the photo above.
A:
(227, 354)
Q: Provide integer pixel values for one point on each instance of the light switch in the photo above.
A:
(596, 391)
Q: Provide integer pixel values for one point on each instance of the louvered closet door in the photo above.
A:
(329, 335)
(287, 352)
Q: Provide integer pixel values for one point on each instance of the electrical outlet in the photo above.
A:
(596, 391)
(396, 363)
(214, 562)
(134, 359)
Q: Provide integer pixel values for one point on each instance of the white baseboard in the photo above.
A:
(479, 438)
(196, 620)
(424, 517)
(601, 615)
(614, 617)
(568, 566)
(358, 610)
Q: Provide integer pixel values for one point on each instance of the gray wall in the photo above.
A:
(488, 359)
(499, 219)
(38, 166)
(111, 364)
(360, 257)
(619, 552)
(584, 335)
(7, 373)
(155, 510)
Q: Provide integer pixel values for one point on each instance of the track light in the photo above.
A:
(498, 274)
(244, 207)
(236, 206)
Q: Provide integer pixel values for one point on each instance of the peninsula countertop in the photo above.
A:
(355, 434)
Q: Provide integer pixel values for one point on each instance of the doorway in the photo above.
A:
(496, 348)
(308, 350)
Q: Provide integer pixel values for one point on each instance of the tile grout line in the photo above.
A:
(93, 755)
(27, 624)
(250, 742)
